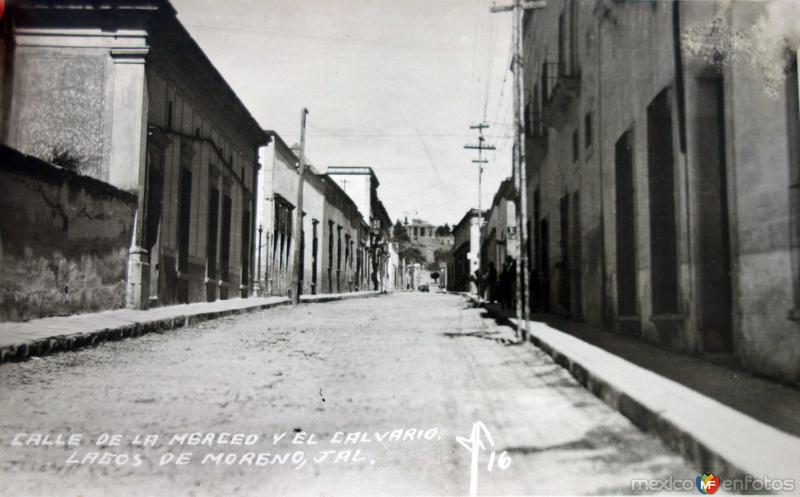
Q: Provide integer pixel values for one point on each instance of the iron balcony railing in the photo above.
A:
(551, 73)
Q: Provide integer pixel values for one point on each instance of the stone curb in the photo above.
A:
(679, 433)
(74, 341)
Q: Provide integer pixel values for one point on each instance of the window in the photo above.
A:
(573, 62)
(536, 112)
(576, 148)
(302, 256)
(169, 115)
(314, 253)
(352, 247)
(527, 124)
(347, 253)
(588, 130)
(562, 42)
(544, 83)
(338, 258)
(225, 248)
(282, 231)
(563, 274)
(330, 256)
(184, 219)
(245, 248)
(213, 221)
(338, 248)
(793, 111)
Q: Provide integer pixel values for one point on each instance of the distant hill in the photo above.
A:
(422, 242)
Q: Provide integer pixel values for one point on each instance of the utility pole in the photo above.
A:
(480, 147)
(518, 7)
(298, 224)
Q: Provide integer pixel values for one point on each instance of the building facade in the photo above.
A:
(127, 90)
(341, 251)
(276, 222)
(346, 237)
(660, 179)
(463, 257)
(396, 277)
(500, 237)
(361, 184)
(419, 229)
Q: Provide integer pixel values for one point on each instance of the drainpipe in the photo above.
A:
(605, 314)
(680, 89)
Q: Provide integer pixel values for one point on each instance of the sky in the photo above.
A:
(389, 84)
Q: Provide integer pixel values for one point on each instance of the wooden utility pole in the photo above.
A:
(518, 7)
(480, 147)
(298, 224)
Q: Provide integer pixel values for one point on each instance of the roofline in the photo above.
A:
(339, 189)
(263, 137)
(166, 12)
(505, 185)
(469, 214)
(278, 139)
(365, 169)
(383, 213)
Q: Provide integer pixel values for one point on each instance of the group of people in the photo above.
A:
(498, 288)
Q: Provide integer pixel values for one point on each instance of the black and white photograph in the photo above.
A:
(389, 248)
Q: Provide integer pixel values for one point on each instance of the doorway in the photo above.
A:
(544, 263)
(714, 261)
(627, 294)
(663, 223)
(314, 252)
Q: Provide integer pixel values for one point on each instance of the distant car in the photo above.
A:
(424, 288)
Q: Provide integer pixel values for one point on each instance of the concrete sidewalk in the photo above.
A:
(44, 336)
(722, 419)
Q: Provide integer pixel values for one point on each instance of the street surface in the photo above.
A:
(374, 391)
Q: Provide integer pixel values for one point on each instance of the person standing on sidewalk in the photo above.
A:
(491, 283)
(507, 277)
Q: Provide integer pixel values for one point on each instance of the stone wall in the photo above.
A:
(63, 240)
(60, 102)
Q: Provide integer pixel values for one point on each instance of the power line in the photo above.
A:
(477, 53)
(503, 86)
(324, 38)
(401, 135)
(430, 159)
(489, 67)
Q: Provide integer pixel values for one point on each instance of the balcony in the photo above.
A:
(535, 139)
(561, 89)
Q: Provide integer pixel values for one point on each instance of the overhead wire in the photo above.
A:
(477, 53)
(232, 28)
(489, 65)
(399, 135)
(432, 163)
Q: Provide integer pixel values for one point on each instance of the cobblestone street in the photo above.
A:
(426, 364)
